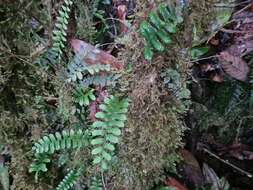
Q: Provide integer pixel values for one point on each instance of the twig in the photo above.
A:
(243, 9)
(228, 163)
(103, 181)
(204, 58)
(236, 31)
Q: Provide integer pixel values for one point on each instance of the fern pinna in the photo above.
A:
(96, 184)
(59, 33)
(107, 130)
(69, 180)
(84, 96)
(157, 29)
(60, 141)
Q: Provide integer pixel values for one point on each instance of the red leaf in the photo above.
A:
(172, 182)
(95, 55)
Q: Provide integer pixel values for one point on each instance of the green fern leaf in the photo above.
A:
(157, 29)
(84, 96)
(96, 184)
(59, 141)
(69, 180)
(107, 130)
(59, 33)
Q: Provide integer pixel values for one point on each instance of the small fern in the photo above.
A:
(69, 180)
(60, 141)
(98, 80)
(96, 184)
(107, 130)
(157, 29)
(39, 165)
(78, 69)
(84, 96)
(59, 34)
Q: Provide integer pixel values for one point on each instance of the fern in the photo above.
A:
(60, 141)
(59, 34)
(96, 184)
(69, 180)
(40, 165)
(84, 96)
(98, 80)
(156, 30)
(107, 130)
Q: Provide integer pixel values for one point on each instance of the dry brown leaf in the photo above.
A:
(95, 55)
(234, 66)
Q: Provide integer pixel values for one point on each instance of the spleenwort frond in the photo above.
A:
(39, 165)
(69, 180)
(98, 80)
(107, 130)
(59, 141)
(96, 184)
(84, 96)
(59, 33)
(157, 29)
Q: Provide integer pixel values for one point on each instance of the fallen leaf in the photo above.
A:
(191, 168)
(216, 77)
(172, 182)
(94, 55)
(234, 66)
(211, 177)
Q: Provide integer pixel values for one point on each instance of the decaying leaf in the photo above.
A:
(191, 168)
(172, 182)
(211, 177)
(234, 66)
(93, 55)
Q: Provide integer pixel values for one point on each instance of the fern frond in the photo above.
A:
(107, 130)
(39, 165)
(98, 80)
(78, 69)
(84, 96)
(59, 33)
(156, 31)
(69, 180)
(96, 184)
(60, 141)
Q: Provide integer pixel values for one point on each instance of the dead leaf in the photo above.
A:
(211, 177)
(216, 77)
(172, 182)
(191, 168)
(234, 66)
(94, 55)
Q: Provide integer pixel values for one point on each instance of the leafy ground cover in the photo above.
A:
(126, 94)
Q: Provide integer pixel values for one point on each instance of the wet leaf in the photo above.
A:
(197, 52)
(234, 66)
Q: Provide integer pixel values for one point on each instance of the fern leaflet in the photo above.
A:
(107, 130)
(69, 180)
(156, 30)
(59, 34)
(60, 141)
(84, 96)
(96, 184)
